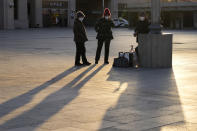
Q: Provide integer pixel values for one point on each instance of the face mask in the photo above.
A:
(142, 18)
(106, 17)
(81, 19)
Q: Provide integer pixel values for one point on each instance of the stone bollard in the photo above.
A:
(155, 50)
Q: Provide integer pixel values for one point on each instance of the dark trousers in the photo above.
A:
(99, 48)
(137, 51)
(80, 52)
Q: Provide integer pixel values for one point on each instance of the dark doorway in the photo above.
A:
(92, 9)
(55, 13)
(29, 11)
(166, 19)
(188, 20)
(15, 9)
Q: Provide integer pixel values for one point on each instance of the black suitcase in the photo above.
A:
(121, 61)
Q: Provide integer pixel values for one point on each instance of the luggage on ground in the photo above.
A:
(127, 59)
(121, 61)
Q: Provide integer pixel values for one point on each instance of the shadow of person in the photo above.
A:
(21, 100)
(51, 105)
(149, 101)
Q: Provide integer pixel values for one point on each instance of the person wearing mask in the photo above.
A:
(103, 28)
(80, 37)
(141, 28)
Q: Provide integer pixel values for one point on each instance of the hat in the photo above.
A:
(107, 12)
(80, 14)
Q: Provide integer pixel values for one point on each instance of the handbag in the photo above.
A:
(121, 61)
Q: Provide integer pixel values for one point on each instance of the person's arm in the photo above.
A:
(135, 31)
(148, 24)
(85, 33)
(112, 23)
(75, 28)
(97, 26)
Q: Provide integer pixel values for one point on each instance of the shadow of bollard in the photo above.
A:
(150, 100)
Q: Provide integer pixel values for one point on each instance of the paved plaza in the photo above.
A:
(41, 90)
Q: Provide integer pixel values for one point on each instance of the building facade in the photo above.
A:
(20, 14)
(177, 14)
(47, 13)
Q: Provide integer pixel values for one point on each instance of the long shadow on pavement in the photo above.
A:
(19, 101)
(149, 99)
(47, 108)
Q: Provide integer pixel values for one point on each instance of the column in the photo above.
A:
(181, 21)
(155, 49)
(155, 11)
(155, 16)
(35, 17)
(195, 20)
(177, 23)
(71, 12)
(114, 8)
(6, 14)
(22, 21)
(38, 13)
(1, 14)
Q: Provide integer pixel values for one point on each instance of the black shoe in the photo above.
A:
(96, 62)
(78, 64)
(87, 63)
(106, 62)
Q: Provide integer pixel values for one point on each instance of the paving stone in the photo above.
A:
(179, 126)
(25, 129)
(112, 129)
(70, 129)
(139, 125)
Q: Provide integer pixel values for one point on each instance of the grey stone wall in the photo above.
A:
(38, 11)
(6, 14)
(1, 14)
(71, 12)
(35, 18)
(155, 50)
(22, 21)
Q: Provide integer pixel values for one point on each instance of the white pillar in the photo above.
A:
(71, 12)
(114, 8)
(22, 21)
(7, 14)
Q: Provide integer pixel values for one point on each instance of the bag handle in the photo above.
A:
(121, 54)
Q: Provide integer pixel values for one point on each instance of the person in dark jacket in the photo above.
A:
(80, 38)
(141, 28)
(104, 35)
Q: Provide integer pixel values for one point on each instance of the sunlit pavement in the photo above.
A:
(40, 90)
